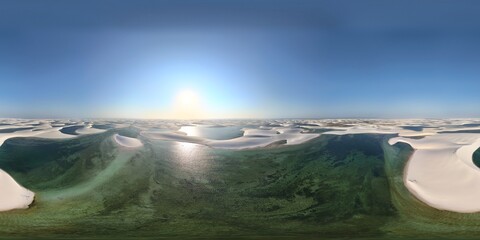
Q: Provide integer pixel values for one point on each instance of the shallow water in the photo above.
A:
(213, 132)
(71, 130)
(331, 187)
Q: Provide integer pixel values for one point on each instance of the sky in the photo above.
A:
(239, 59)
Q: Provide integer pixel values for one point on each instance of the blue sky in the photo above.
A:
(242, 59)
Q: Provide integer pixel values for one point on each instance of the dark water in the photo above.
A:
(476, 158)
(71, 130)
(11, 130)
(461, 131)
(103, 126)
(413, 128)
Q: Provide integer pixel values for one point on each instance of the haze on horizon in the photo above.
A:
(239, 59)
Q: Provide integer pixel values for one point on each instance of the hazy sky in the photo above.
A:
(239, 59)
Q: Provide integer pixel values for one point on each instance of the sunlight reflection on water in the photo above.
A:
(210, 132)
(191, 155)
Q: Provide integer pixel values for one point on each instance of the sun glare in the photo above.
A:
(188, 105)
(187, 97)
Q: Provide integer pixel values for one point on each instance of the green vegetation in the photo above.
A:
(331, 187)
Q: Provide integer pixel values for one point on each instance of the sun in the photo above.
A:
(187, 97)
(188, 105)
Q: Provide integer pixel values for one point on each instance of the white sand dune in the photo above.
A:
(89, 130)
(383, 130)
(363, 130)
(127, 141)
(408, 133)
(50, 133)
(12, 195)
(260, 132)
(11, 126)
(252, 138)
(54, 133)
(295, 136)
(42, 129)
(441, 172)
(174, 136)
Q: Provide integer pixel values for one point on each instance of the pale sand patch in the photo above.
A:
(252, 138)
(127, 141)
(12, 195)
(89, 130)
(364, 130)
(441, 172)
(49, 133)
(383, 130)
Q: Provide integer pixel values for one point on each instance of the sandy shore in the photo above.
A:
(441, 172)
(252, 138)
(12, 195)
(127, 141)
